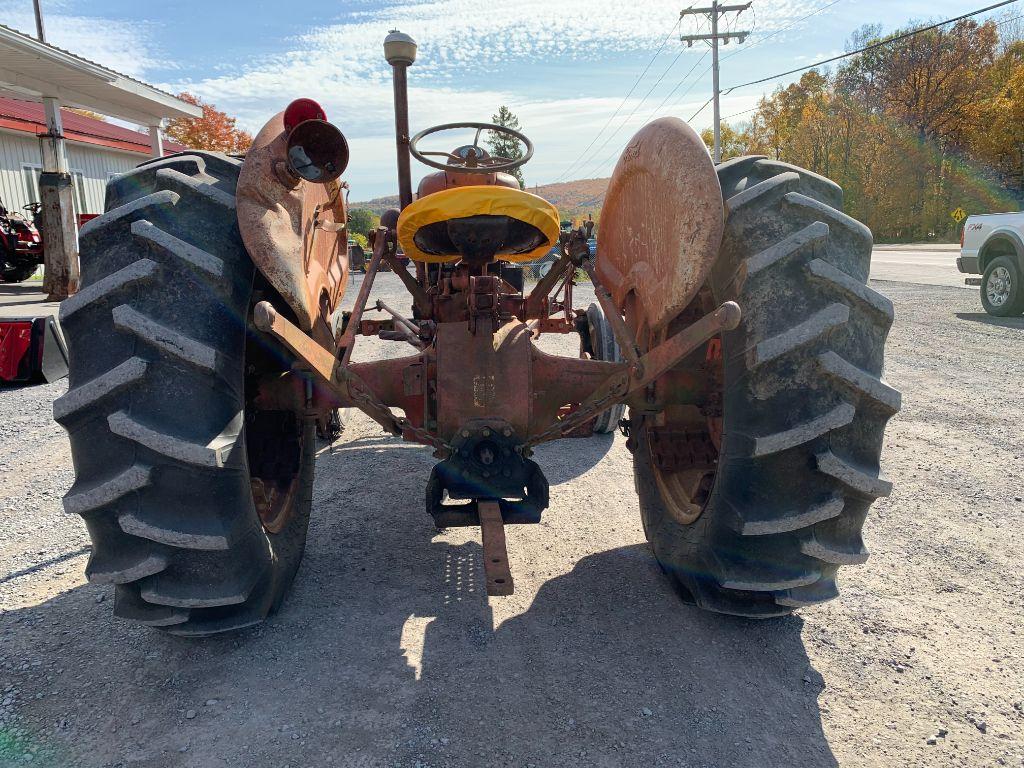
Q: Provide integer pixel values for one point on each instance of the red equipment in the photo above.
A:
(21, 246)
(32, 350)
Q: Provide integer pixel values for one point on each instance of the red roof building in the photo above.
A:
(28, 117)
(96, 149)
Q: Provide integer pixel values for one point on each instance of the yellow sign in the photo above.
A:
(959, 215)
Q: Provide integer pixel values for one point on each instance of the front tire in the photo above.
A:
(753, 501)
(197, 503)
(600, 344)
(1002, 291)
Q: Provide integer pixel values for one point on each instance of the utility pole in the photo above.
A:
(714, 13)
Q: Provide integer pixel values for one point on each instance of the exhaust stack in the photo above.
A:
(400, 52)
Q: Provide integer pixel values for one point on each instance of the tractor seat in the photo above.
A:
(478, 224)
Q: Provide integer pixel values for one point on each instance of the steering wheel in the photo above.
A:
(471, 158)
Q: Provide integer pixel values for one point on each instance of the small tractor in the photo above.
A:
(21, 247)
(208, 349)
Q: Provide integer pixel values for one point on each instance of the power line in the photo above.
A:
(701, 110)
(681, 81)
(780, 30)
(629, 117)
(754, 109)
(602, 163)
(895, 39)
(623, 102)
(737, 114)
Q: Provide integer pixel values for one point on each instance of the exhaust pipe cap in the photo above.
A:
(399, 48)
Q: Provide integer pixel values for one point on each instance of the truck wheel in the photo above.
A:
(600, 344)
(197, 503)
(1002, 294)
(752, 502)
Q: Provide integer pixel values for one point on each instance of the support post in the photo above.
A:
(156, 142)
(60, 235)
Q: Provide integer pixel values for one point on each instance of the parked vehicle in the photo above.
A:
(992, 245)
(356, 257)
(21, 247)
(207, 344)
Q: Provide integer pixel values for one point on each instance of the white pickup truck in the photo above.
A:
(992, 245)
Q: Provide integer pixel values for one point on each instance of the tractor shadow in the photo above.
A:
(987, 319)
(388, 652)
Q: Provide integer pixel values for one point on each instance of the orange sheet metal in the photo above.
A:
(294, 233)
(661, 223)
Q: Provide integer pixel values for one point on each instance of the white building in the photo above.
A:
(31, 71)
(96, 150)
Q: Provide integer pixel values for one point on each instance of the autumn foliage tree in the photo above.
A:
(214, 131)
(911, 129)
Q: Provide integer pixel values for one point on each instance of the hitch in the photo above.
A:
(492, 533)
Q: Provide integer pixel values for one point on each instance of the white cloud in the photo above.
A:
(472, 57)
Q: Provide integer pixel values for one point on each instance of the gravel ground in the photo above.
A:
(388, 653)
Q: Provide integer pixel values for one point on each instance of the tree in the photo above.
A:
(733, 142)
(910, 130)
(87, 113)
(927, 81)
(214, 131)
(362, 221)
(504, 145)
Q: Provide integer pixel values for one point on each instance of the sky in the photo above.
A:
(564, 67)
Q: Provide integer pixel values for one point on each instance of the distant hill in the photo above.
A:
(571, 198)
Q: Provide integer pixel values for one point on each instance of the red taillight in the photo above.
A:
(301, 110)
(962, 233)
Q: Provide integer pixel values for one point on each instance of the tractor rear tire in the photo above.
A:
(803, 406)
(167, 446)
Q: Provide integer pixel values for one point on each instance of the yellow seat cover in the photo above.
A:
(459, 202)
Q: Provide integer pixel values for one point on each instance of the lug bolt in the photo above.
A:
(486, 473)
(465, 433)
(507, 431)
(486, 432)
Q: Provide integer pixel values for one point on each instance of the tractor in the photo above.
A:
(21, 247)
(208, 349)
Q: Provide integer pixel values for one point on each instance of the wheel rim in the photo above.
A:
(997, 287)
(685, 490)
(274, 452)
(274, 443)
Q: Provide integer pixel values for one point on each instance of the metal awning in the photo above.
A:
(30, 69)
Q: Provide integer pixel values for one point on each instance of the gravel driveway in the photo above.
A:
(388, 653)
